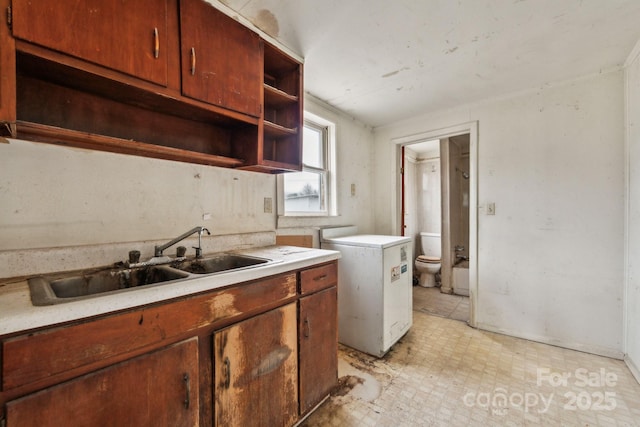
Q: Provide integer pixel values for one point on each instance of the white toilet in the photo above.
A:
(428, 264)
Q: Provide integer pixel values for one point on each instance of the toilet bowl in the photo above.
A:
(428, 264)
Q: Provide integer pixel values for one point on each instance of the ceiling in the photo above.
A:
(381, 61)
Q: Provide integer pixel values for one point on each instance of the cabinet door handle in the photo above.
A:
(193, 61)
(187, 396)
(227, 372)
(318, 278)
(306, 329)
(156, 43)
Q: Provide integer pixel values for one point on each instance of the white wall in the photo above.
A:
(550, 262)
(411, 198)
(428, 182)
(58, 197)
(93, 207)
(632, 297)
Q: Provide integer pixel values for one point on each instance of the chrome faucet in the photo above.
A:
(158, 249)
(459, 249)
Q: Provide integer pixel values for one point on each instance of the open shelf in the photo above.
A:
(275, 130)
(282, 117)
(56, 135)
(87, 110)
(277, 97)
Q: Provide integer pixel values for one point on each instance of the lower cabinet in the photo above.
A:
(260, 353)
(157, 389)
(318, 328)
(256, 371)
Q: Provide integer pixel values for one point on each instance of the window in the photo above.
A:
(309, 192)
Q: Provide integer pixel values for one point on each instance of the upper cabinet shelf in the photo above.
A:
(278, 98)
(275, 130)
(281, 137)
(172, 79)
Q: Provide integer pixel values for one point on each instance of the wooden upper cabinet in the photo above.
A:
(126, 36)
(221, 59)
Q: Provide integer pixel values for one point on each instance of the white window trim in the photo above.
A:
(330, 179)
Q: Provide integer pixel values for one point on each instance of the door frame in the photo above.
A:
(472, 129)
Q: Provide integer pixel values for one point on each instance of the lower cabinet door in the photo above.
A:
(318, 347)
(256, 371)
(157, 389)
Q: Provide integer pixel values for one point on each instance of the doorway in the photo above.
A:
(451, 155)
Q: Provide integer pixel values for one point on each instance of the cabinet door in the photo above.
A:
(318, 326)
(127, 36)
(221, 59)
(256, 371)
(158, 389)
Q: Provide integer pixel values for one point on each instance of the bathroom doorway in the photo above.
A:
(435, 192)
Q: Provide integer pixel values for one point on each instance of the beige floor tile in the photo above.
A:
(444, 373)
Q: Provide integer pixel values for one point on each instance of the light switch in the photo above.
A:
(491, 208)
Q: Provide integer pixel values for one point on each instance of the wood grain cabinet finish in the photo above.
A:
(169, 79)
(255, 353)
(130, 37)
(256, 371)
(221, 62)
(157, 389)
(318, 278)
(318, 326)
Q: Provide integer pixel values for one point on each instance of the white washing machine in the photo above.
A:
(375, 295)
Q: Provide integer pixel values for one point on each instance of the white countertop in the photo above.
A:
(18, 314)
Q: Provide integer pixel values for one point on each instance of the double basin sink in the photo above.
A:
(65, 287)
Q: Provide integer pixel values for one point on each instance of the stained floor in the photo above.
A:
(445, 373)
(432, 301)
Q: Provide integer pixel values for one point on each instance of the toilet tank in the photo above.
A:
(430, 244)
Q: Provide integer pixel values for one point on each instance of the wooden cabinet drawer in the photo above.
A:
(81, 347)
(317, 278)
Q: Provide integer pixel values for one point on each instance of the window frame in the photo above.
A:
(327, 172)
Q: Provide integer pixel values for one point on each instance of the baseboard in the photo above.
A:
(585, 348)
(632, 367)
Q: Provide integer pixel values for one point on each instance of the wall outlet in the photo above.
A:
(268, 205)
(491, 208)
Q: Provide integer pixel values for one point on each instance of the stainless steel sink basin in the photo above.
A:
(219, 263)
(71, 286)
(55, 289)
